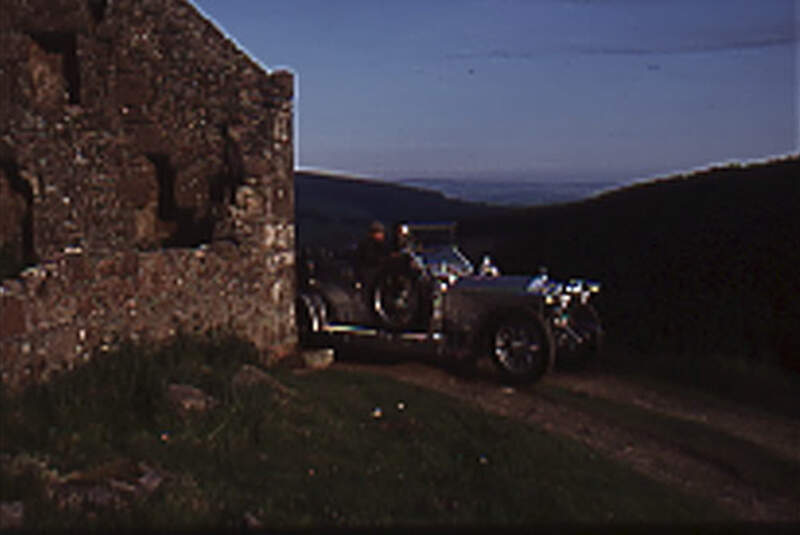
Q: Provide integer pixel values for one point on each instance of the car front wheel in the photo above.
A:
(522, 347)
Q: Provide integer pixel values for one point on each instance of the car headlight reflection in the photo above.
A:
(575, 286)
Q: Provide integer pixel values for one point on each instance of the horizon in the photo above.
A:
(516, 178)
(563, 90)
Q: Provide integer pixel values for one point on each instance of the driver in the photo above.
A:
(373, 248)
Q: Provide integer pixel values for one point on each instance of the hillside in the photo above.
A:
(336, 210)
(512, 193)
(702, 264)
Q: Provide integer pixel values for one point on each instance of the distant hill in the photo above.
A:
(517, 193)
(335, 210)
(698, 264)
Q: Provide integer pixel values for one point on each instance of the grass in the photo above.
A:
(318, 457)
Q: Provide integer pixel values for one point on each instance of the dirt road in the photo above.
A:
(655, 454)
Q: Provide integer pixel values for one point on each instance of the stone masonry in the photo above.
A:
(146, 184)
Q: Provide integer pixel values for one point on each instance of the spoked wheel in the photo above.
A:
(522, 348)
(396, 297)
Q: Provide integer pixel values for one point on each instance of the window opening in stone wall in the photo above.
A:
(98, 9)
(12, 261)
(165, 174)
(222, 187)
(64, 44)
(184, 229)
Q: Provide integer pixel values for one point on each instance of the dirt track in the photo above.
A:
(645, 452)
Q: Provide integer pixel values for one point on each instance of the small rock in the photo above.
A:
(252, 521)
(318, 359)
(121, 486)
(12, 514)
(150, 480)
(249, 375)
(99, 495)
(190, 398)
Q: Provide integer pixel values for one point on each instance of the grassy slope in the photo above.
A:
(315, 458)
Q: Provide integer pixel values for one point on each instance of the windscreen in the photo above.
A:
(432, 236)
(446, 258)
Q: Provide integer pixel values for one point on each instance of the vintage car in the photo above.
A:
(426, 296)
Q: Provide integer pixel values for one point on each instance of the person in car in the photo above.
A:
(373, 248)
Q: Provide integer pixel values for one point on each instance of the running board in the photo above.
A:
(360, 330)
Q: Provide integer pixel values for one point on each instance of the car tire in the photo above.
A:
(521, 346)
(397, 296)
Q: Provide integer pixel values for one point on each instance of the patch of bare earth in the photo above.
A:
(769, 431)
(644, 452)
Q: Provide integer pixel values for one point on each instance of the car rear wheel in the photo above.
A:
(522, 347)
(397, 298)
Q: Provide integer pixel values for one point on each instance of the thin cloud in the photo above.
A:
(692, 48)
(600, 50)
(496, 54)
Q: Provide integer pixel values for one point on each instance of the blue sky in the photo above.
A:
(586, 90)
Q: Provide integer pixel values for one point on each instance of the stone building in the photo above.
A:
(146, 183)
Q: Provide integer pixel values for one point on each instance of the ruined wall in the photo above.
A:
(145, 180)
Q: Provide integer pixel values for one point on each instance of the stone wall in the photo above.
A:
(145, 183)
